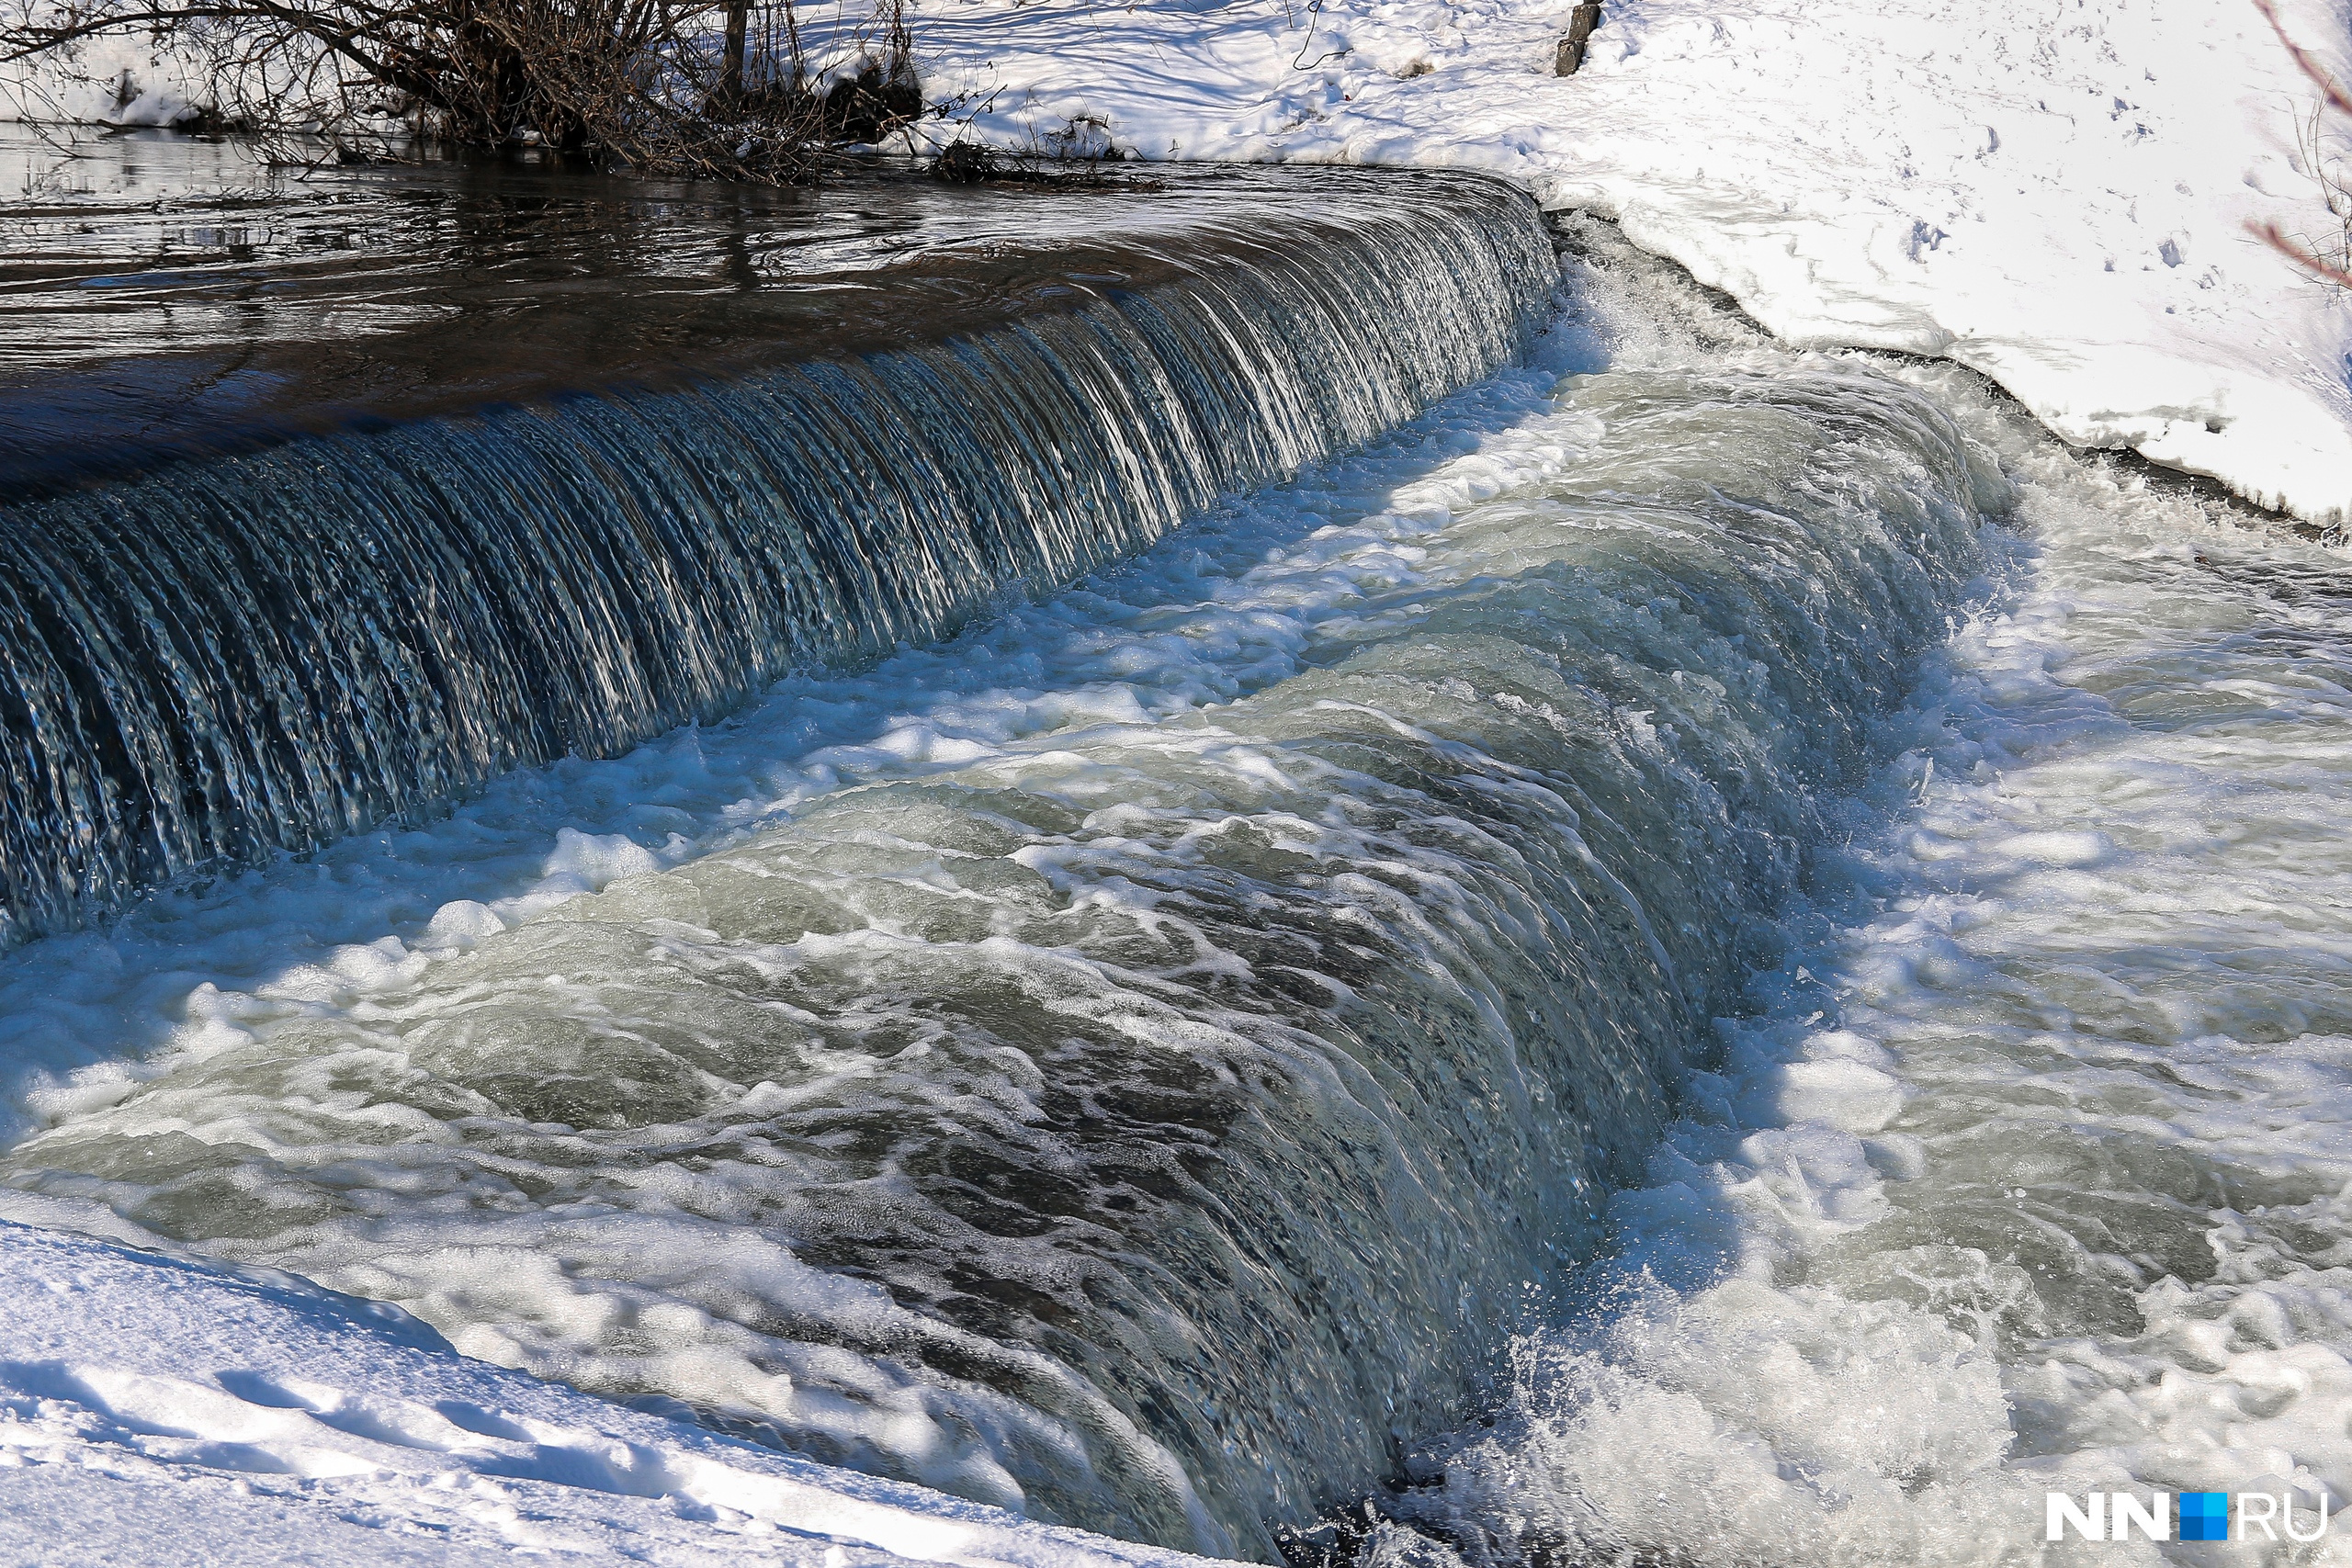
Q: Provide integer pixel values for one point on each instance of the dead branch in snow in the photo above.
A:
(2330, 260)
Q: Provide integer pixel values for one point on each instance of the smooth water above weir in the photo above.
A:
(164, 296)
(362, 533)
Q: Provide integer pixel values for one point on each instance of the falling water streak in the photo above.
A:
(240, 656)
(1155, 1118)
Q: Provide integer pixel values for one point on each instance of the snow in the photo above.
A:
(2052, 192)
(2055, 193)
(270, 1420)
(119, 80)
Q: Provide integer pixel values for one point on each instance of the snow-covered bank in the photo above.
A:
(155, 1411)
(2053, 194)
(114, 80)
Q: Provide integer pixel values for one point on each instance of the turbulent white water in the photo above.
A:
(1138, 1071)
(2029, 1173)
(1162, 1058)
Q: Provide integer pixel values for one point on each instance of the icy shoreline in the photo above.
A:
(271, 1416)
(2057, 197)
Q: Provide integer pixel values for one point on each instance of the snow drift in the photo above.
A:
(2054, 195)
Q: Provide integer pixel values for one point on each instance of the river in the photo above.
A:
(1696, 952)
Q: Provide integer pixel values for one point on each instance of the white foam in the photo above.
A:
(2028, 1178)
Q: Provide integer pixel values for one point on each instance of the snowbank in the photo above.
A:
(118, 80)
(156, 1411)
(2054, 193)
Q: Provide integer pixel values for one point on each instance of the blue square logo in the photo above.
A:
(2204, 1515)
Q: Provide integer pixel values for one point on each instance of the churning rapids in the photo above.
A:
(1701, 954)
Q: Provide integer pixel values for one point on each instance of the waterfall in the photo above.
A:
(229, 656)
(1136, 1062)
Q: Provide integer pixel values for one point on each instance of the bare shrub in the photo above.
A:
(2328, 257)
(664, 87)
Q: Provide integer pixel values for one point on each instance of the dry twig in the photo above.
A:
(2335, 185)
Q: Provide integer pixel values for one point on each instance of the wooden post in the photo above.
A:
(1582, 21)
(731, 68)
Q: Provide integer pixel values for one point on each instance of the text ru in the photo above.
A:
(2202, 1515)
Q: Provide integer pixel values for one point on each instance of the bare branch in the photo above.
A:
(648, 84)
(2334, 264)
(2302, 256)
(2331, 90)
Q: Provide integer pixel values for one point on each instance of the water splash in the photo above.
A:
(1140, 1085)
(2026, 1172)
(252, 654)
